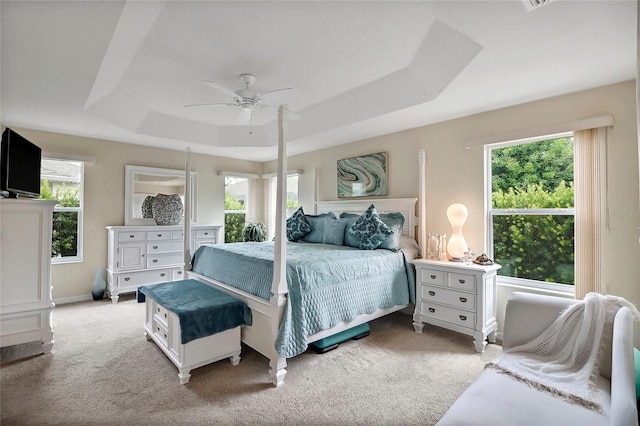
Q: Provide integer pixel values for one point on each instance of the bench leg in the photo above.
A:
(184, 375)
(235, 358)
(277, 370)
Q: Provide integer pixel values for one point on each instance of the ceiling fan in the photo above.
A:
(247, 99)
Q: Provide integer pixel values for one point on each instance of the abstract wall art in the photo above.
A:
(363, 176)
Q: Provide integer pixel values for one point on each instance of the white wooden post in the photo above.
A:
(422, 206)
(187, 210)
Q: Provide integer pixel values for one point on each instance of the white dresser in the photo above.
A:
(25, 272)
(457, 296)
(141, 255)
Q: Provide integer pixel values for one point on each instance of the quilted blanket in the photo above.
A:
(327, 284)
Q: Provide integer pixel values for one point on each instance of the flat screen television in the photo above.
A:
(19, 166)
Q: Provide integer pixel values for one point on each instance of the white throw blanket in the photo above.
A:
(565, 359)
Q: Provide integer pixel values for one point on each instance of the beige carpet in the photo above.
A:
(103, 371)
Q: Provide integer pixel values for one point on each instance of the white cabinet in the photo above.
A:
(139, 255)
(457, 296)
(25, 272)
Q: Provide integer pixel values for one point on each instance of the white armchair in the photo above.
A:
(496, 399)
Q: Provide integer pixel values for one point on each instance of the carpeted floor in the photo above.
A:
(103, 371)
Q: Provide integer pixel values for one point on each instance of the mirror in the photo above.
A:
(140, 182)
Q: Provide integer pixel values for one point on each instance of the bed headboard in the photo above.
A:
(406, 206)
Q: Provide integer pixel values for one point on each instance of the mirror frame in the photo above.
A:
(131, 171)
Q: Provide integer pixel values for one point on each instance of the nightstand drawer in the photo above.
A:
(466, 301)
(431, 276)
(462, 281)
(448, 314)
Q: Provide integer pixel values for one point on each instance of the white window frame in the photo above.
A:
(521, 282)
(80, 210)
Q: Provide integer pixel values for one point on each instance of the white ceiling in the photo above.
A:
(123, 70)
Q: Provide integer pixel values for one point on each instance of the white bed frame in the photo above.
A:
(262, 334)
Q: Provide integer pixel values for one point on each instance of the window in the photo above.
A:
(236, 194)
(63, 180)
(291, 203)
(531, 211)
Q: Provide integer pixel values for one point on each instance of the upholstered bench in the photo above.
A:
(193, 323)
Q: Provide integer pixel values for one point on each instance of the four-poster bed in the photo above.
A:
(268, 310)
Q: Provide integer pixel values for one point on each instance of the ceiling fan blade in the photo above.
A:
(274, 95)
(221, 89)
(211, 105)
(244, 116)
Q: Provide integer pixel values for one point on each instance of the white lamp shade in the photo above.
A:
(457, 214)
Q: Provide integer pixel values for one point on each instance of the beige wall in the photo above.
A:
(456, 174)
(104, 196)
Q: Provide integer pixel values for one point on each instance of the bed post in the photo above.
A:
(187, 210)
(279, 283)
(422, 206)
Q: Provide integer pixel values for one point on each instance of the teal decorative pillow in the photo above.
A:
(394, 220)
(369, 230)
(317, 227)
(636, 362)
(297, 226)
(334, 231)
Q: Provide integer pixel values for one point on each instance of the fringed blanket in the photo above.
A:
(565, 359)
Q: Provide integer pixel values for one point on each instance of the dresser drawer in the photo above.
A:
(132, 236)
(136, 279)
(462, 281)
(432, 276)
(205, 233)
(177, 235)
(158, 260)
(178, 274)
(164, 247)
(158, 235)
(448, 314)
(445, 296)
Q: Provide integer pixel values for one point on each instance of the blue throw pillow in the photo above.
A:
(369, 230)
(394, 220)
(317, 227)
(334, 231)
(297, 226)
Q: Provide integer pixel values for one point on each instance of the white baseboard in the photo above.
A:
(74, 299)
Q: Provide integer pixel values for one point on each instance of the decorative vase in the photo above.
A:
(167, 209)
(147, 212)
(99, 286)
(457, 247)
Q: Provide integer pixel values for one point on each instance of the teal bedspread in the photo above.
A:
(328, 284)
(202, 309)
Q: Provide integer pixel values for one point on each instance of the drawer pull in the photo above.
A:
(463, 317)
(165, 315)
(432, 310)
(432, 293)
(461, 281)
(162, 274)
(155, 247)
(127, 278)
(433, 277)
(463, 299)
(155, 260)
(158, 309)
(206, 233)
(179, 272)
(131, 236)
(165, 336)
(159, 235)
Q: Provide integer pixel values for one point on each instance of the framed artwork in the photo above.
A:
(363, 176)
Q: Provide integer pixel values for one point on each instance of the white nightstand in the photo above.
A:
(457, 296)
